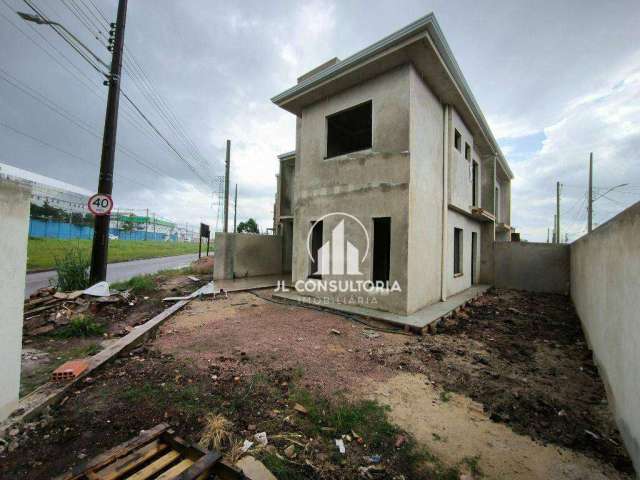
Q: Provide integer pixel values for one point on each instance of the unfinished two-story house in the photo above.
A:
(393, 136)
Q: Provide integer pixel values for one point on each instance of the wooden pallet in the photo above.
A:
(156, 454)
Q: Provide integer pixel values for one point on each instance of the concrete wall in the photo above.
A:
(425, 196)
(455, 284)
(368, 184)
(460, 174)
(605, 287)
(246, 255)
(536, 267)
(14, 224)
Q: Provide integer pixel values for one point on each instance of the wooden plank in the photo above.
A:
(203, 465)
(155, 467)
(176, 470)
(49, 393)
(119, 451)
(131, 461)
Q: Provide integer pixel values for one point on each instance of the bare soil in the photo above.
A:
(518, 360)
(44, 353)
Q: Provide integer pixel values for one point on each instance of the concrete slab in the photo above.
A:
(251, 283)
(417, 321)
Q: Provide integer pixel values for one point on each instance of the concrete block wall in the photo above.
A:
(14, 227)
(246, 255)
(605, 288)
(536, 267)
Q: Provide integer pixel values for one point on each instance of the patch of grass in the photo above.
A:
(280, 468)
(184, 398)
(80, 326)
(331, 418)
(72, 267)
(473, 464)
(445, 396)
(42, 251)
(138, 285)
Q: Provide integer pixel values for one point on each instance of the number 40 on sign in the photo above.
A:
(100, 204)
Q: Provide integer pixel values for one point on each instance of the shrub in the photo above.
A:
(73, 270)
(81, 326)
(138, 284)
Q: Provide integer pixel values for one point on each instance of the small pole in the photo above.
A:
(558, 212)
(146, 225)
(590, 193)
(227, 165)
(547, 234)
(208, 240)
(199, 246)
(235, 209)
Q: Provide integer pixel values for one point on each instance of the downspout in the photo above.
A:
(445, 196)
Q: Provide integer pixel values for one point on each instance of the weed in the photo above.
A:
(81, 326)
(72, 268)
(473, 463)
(280, 468)
(216, 432)
(139, 284)
(445, 396)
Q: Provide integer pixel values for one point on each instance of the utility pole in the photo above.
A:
(590, 193)
(146, 225)
(226, 187)
(555, 225)
(547, 234)
(557, 212)
(235, 209)
(100, 247)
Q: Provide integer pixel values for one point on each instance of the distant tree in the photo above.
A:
(128, 225)
(250, 226)
(47, 211)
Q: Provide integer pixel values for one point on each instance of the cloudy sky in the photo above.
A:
(555, 79)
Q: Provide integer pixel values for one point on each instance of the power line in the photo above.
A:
(65, 152)
(85, 126)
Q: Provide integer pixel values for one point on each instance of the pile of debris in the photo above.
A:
(48, 309)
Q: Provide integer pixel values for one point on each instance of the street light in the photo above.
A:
(611, 190)
(39, 20)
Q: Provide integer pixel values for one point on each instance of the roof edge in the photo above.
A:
(429, 24)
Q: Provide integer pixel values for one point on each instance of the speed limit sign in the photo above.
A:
(100, 204)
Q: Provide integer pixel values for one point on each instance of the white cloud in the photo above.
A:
(606, 122)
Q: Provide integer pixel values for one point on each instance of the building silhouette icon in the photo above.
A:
(334, 253)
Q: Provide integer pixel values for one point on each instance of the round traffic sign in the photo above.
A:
(100, 204)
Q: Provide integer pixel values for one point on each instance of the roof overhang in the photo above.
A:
(421, 44)
(287, 156)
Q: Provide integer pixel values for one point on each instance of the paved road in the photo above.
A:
(117, 271)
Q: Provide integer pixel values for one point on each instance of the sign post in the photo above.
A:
(204, 232)
(100, 204)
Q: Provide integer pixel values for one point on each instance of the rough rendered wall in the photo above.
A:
(425, 196)
(246, 255)
(14, 221)
(456, 284)
(369, 184)
(536, 267)
(605, 287)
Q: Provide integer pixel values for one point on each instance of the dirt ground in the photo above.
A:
(507, 389)
(41, 354)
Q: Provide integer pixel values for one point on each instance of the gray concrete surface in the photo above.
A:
(417, 321)
(536, 267)
(117, 272)
(605, 288)
(247, 255)
(14, 227)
